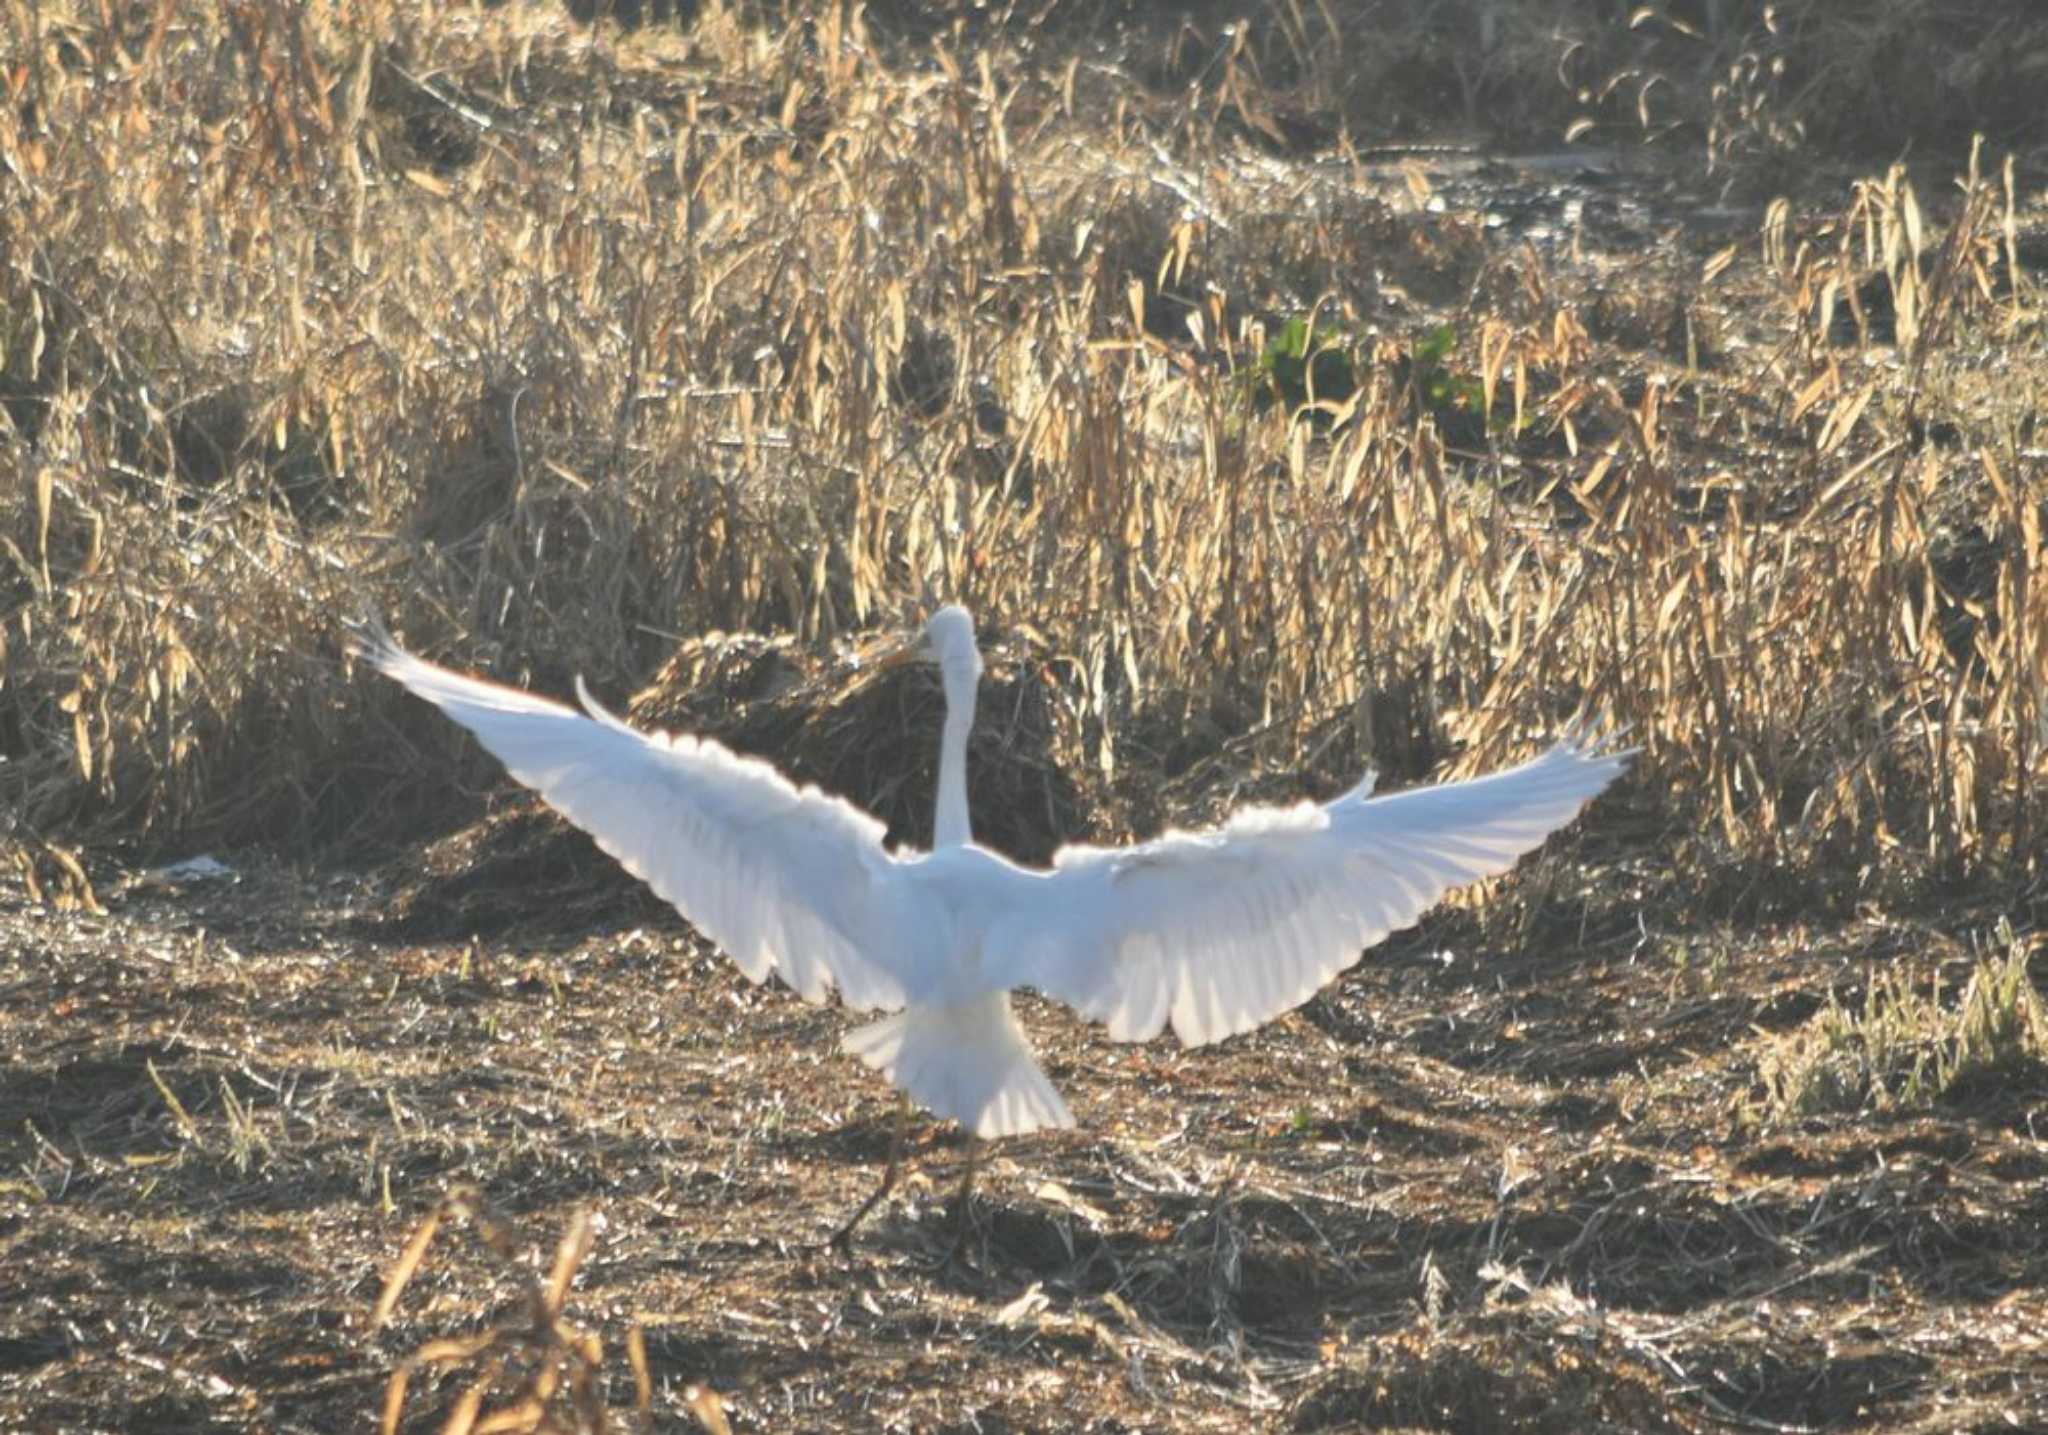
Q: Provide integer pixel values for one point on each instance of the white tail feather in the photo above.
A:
(969, 1062)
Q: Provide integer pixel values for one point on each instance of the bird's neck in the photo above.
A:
(951, 828)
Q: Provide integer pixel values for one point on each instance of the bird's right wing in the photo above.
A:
(787, 880)
(1218, 932)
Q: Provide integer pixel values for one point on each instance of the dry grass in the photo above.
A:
(535, 1372)
(568, 349)
(1906, 1046)
(555, 343)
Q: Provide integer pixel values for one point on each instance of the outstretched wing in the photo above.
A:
(1220, 931)
(785, 879)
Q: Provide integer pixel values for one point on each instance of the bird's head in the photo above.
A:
(947, 641)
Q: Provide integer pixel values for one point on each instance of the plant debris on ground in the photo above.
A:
(1281, 412)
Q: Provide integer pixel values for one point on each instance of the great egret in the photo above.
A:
(1213, 932)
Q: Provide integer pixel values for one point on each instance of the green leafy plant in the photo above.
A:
(1452, 397)
(1304, 367)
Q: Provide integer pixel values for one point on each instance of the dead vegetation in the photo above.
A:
(775, 336)
(684, 356)
(536, 1372)
(1906, 1046)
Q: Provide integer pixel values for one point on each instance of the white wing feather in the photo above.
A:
(1220, 931)
(784, 879)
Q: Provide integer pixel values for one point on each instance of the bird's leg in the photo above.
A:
(843, 1237)
(966, 1191)
(964, 1223)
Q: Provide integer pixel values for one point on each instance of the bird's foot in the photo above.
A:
(841, 1240)
(968, 1248)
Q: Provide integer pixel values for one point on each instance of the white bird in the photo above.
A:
(1212, 932)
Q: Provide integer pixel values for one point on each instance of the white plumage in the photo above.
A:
(1213, 933)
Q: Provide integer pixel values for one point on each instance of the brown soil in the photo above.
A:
(1473, 1186)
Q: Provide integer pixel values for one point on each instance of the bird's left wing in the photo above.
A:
(785, 879)
(1221, 931)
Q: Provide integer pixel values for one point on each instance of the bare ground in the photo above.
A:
(1475, 1185)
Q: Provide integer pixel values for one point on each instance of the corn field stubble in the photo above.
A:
(686, 358)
